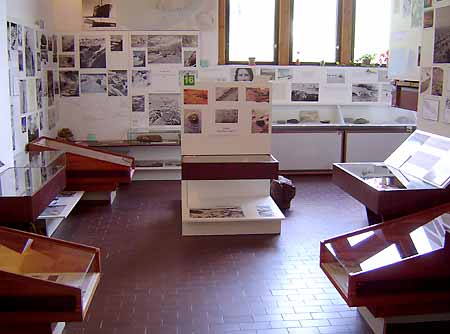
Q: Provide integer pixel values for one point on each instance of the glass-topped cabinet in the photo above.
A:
(155, 136)
(393, 264)
(27, 188)
(44, 281)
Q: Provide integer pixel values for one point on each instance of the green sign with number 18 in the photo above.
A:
(189, 80)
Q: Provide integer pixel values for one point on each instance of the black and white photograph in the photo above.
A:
(69, 83)
(39, 93)
(364, 93)
(139, 58)
(190, 41)
(99, 14)
(92, 52)
(139, 41)
(50, 90)
(118, 83)
(116, 43)
(336, 76)
(20, 60)
(44, 57)
(242, 74)
(164, 49)
(140, 79)
(430, 109)
(442, 36)
(268, 72)
(285, 74)
(306, 92)
(33, 127)
(30, 48)
(437, 83)
(164, 109)
(44, 42)
(406, 8)
(23, 94)
(265, 211)
(13, 36)
(192, 121)
(190, 58)
(93, 83)
(416, 13)
(138, 103)
(19, 36)
(66, 61)
(227, 116)
(41, 121)
(227, 94)
(425, 80)
(68, 43)
(447, 111)
(50, 43)
(383, 76)
(38, 62)
(218, 212)
(260, 121)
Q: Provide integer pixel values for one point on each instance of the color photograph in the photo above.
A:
(118, 83)
(164, 49)
(195, 96)
(428, 19)
(93, 83)
(260, 121)
(164, 109)
(69, 83)
(92, 52)
(306, 92)
(192, 121)
(260, 95)
(227, 94)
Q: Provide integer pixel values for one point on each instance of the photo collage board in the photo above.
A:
(133, 77)
(226, 118)
(434, 100)
(33, 86)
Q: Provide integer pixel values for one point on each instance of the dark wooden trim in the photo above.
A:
(222, 31)
(347, 28)
(285, 32)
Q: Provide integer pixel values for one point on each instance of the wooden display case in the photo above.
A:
(396, 269)
(89, 169)
(26, 190)
(413, 178)
(44, 282)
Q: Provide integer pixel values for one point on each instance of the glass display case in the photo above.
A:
(413, 178)
(394, 269)
(25, 191)
(44, 281)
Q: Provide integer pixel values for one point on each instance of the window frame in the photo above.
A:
(284, 35)
(338, 37)
(227, 60)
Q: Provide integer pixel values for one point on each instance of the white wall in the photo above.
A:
(28, 11)
(6, 155)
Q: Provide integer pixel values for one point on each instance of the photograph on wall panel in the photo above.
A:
(260, 121)
(66, 61)
(164, 109)
(116, 43)
(227, 94)
(139, 58)
(260, 95)
(305, 92)
(50, 88)
(226, 121)
(118, 83)
(164, 49)
(140, 79)
(33, 127)
(190, 41)
(442, 35)
(30, 48)
(430, 109)
(139, 41)
(68, 43)
(437, 83)
(69, 83)
(99, 14)
(138, 103)
(364, 93)
(92, 52)
(190, 58)
(192, 121)
(93, 83)
(39, 94)
(195, 96)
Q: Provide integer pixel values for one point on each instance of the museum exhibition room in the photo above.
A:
(224, 166)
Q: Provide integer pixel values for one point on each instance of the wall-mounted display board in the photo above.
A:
(414, 177)
(33, 86)
(89, 169)
(225, 144)
(125, 79)
(44, 282)
(434, 99)
(398, 271)
(26, 190)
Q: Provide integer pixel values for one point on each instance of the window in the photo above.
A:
(251, 31)
(372, 28)
(315, 31)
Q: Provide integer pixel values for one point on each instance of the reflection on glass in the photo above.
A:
(356, 239)
(387, 256)
(423, 241)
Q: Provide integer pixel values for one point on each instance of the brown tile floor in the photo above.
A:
(155, 281)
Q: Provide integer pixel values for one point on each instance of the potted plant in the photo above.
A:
(367, 59)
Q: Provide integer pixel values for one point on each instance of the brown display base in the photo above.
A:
(33, 328)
